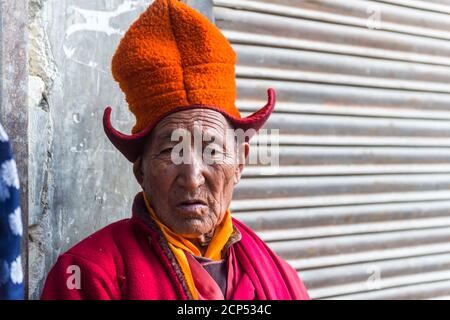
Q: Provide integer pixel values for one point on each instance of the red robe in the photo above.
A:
(130, 259)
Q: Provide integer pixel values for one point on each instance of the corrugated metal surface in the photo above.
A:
(361, 203)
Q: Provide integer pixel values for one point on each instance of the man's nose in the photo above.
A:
(191, 172)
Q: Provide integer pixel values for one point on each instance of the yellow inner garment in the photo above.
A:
(178, 244)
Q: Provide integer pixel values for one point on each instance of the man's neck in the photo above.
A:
(203, 241)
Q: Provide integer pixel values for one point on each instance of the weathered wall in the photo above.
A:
(78, 182)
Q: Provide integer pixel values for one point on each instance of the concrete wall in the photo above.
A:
(78, 182)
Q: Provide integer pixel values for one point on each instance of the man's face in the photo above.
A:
(191, 197)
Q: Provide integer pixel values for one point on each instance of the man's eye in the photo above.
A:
(214, 151)
(166, 150)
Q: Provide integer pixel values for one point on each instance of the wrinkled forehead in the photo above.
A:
(209, 122)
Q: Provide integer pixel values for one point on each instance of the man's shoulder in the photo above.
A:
(104, 243)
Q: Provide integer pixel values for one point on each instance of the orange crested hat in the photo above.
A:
(172, 59)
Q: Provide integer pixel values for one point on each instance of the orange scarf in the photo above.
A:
(179, 245)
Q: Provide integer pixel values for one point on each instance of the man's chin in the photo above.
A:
(192, 230)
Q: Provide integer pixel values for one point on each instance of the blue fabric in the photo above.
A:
(11, 276)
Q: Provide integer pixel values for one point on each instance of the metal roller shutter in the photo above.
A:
(361, 204)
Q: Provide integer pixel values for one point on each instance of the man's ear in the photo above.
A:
(138, 172)
(243, 152)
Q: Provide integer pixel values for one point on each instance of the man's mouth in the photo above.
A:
(191, 205)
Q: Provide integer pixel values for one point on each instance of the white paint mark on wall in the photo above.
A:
(100, 21)
(97, 21)
(90, 64)
(68, 51)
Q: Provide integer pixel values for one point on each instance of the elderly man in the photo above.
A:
(177, 72)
